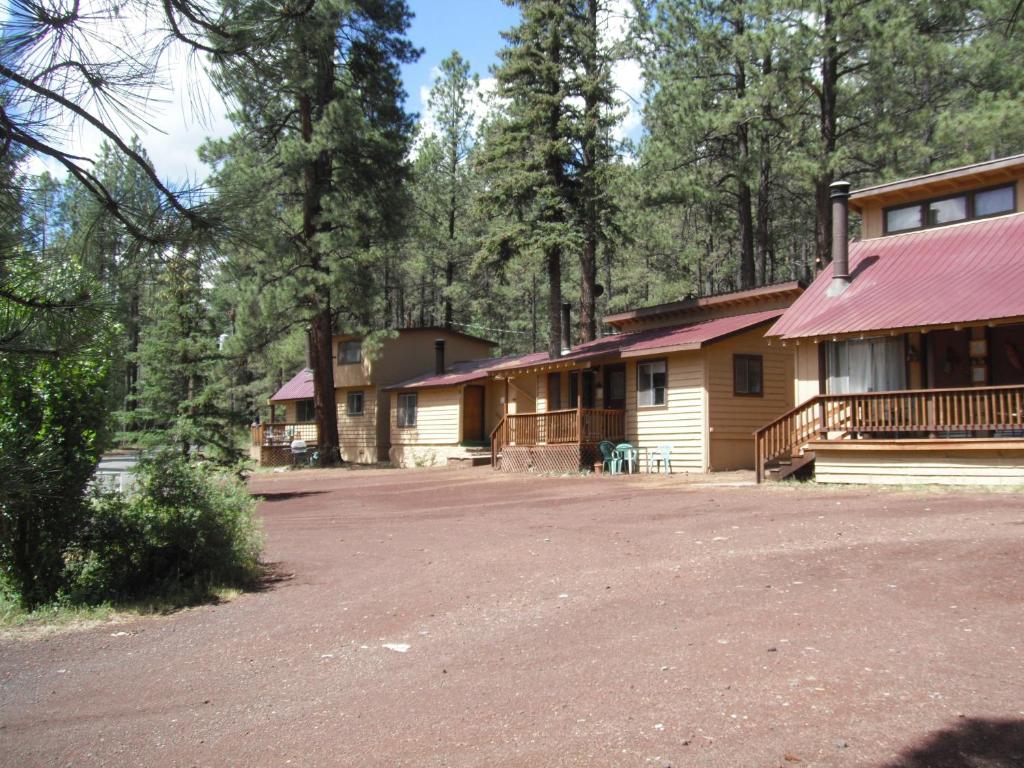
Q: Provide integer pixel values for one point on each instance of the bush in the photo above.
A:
(52, 431)
(185, 530)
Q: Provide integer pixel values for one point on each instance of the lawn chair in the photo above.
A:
(660, 458)
(629, 456)
(611, 461)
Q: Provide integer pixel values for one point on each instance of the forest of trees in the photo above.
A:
(331, 208)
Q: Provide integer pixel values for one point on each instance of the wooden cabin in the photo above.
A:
(447, 415)
(363, 402)
(695, 375)
(910, 345)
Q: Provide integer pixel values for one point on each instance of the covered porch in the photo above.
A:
(270, 443)
(555, 441)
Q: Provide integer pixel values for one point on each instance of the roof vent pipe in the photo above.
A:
(439, 356)
(840, 194)
(566, 330)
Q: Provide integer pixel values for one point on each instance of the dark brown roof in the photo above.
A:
(698, 304)
(964, 273)
(962, 178)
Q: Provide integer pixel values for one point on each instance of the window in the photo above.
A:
(949, 210)
(900, 219)
(305, 410)
(407, 410)
(650, 383)
(350, 352)
(866, 365)
(994, 201)
(354, 404)
(748, 375)
(554, 391)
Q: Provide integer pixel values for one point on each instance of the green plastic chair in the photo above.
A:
(611, 461)
(628, 455)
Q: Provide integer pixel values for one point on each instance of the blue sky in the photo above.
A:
(471, 27)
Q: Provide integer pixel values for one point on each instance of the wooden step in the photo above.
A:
(789, 467)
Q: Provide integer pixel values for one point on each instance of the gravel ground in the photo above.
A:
(465, 618)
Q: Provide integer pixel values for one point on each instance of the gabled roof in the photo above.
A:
(300, 387)
(738, 300)
(963, 273)
(676, 338)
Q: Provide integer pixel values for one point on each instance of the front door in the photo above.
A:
(473, 414)
(615, 387)
(584, 399)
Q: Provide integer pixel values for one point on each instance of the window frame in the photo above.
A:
(362, 403)
(303, 404)
(968, 195)
(341, 356)
(400, 410)
(748, 358)
(664, 400)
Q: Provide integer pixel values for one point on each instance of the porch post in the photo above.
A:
(579, 407)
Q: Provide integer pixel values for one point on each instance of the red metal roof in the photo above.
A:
(971, 272)
(669, 339)
(299, 388)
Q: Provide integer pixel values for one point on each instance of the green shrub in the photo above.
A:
(186, 529)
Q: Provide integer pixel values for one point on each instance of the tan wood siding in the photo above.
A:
(734, 418)
(408, 354)
(437, 418)
(918, 467)
(357, 435)
(680, 422)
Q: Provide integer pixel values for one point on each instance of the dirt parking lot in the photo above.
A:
(463, 618)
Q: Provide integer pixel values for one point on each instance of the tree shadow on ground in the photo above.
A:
(971, 743)
(284, 495)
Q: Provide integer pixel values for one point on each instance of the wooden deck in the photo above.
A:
(554, 441)
(271, 442)
(911, 415)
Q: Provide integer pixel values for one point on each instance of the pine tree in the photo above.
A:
(320, 144)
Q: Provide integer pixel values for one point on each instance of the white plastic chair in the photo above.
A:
(661, 458)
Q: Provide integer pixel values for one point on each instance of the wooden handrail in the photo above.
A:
(570, 425)
(911, 411)
(283, 432)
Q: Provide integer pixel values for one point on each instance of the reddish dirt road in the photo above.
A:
(563, 622)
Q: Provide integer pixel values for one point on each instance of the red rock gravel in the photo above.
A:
(562, 622)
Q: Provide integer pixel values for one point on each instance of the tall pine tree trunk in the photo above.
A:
(827, 126)
(762, 236)
(744, 203)
(589, 182)
(316, 183)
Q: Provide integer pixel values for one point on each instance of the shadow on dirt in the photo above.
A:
(284, 495)
(272, 576)
(971, 743)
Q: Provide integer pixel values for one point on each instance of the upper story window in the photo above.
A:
(350, 352)
(949, 210)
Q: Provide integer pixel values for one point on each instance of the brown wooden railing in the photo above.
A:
(904, 413)
(282, 433)
(586, 425)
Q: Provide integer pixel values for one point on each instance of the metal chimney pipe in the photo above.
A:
(439, 356)
(566, 330)
(840, 194)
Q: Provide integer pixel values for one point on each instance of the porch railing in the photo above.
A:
(282, 433)
(906, 413)
(584, 425)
